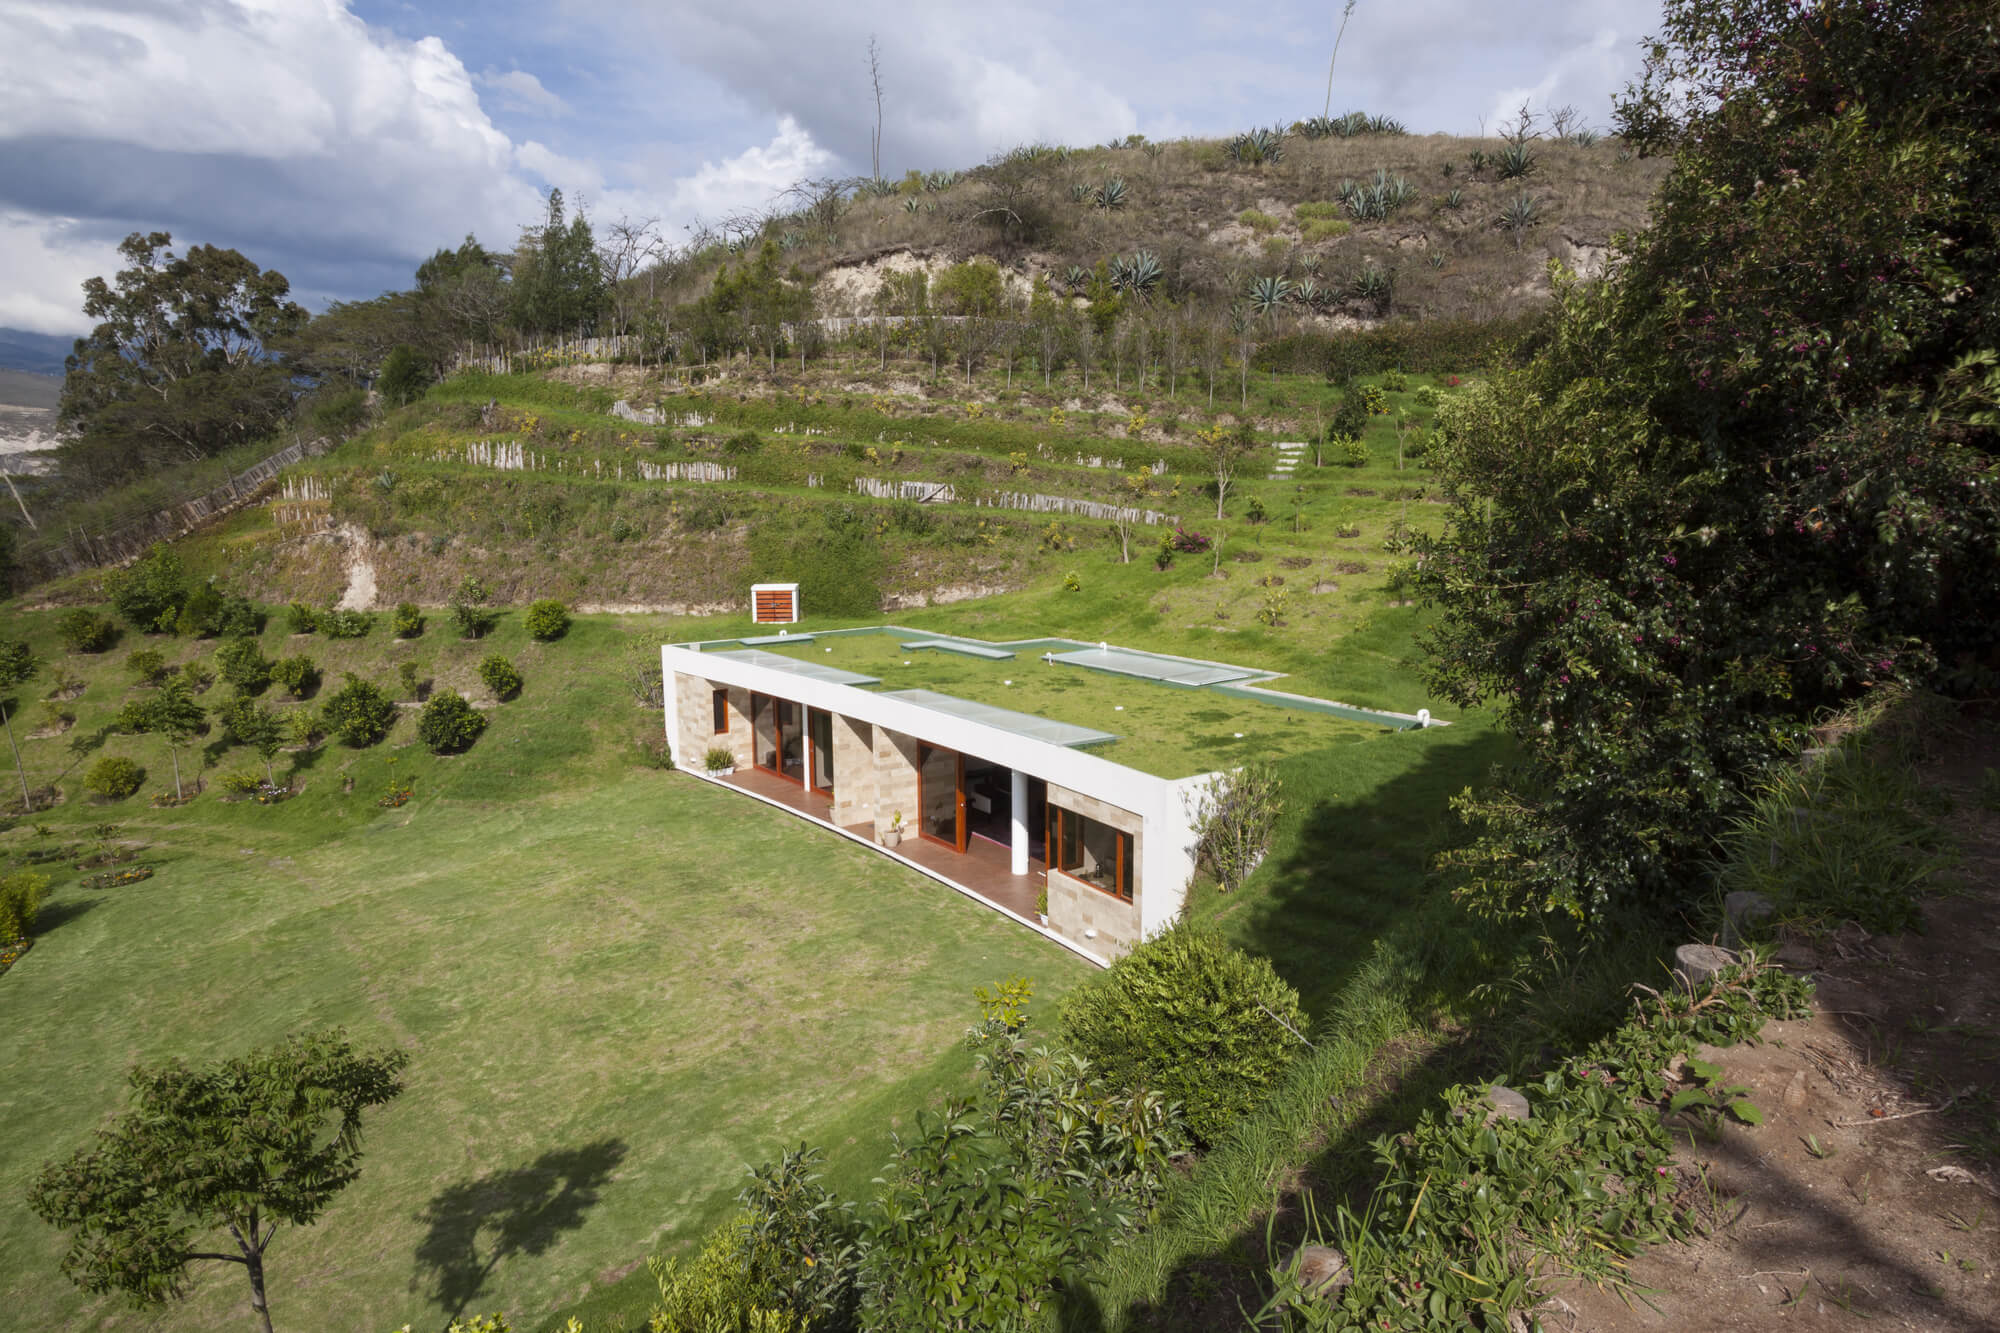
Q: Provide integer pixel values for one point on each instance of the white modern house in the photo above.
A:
(998, 804)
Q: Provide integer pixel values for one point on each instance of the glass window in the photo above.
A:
(1093, 851)
(722, 712)
(940, 807)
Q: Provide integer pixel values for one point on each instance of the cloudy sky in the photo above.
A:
(339, 141)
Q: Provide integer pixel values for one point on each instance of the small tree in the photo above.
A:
(150, 594)
(547, 619)
(500, 676)
(298, 674)
(468, 608)
(242, 665)
(448, 723)
(20, 903)
(239, 1146)
(173, 714)
(409, 621)
(359, 713)
(114, 777)
(255, 725)
(17, 664)
(1225, 452)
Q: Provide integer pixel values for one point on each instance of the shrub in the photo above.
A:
(304, 727)
(720, 1287)
(1350, 415)
(1257, 221)
(1324, 229)
(243, 666)
(547, 619)
(718, 758)
(468, 608)
(1190, 543)
(149, 665)
(1395, 381)
(242, 782)
(1348, 450)
(346, 624)
(211, 610)
(149, 594)
(302, 619)
(298, 674)
(1237, 813)
(500, 676)
(20, 903)
(1192, 1018)
(1318, 210)
(742, 443)
(113, 777)
(404, 376)
(409, 621)
(448, 723)
(84, 631)
(359, 713)
(1427, 395)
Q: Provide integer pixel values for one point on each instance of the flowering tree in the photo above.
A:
(1752, 475)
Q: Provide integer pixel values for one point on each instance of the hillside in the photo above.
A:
(1431, 211)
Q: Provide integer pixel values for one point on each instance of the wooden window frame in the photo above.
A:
(719, 703)
(778, 738)
(958, 796)
(1126, 843)
(812, 749)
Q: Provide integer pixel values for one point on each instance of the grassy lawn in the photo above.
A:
(1166, 730)
(618, 988)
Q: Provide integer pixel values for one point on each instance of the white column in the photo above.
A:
(1018, 812)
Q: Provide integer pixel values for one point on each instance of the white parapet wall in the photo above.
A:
(1167, 806)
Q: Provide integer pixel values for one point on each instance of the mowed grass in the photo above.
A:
(618, 986)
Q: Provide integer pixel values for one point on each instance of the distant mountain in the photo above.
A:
(40, 353)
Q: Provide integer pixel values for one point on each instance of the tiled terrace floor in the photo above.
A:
(982, 869)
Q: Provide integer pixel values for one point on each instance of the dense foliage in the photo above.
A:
(500, 676)
(150, 594)
(448, 724)
(358, 712)
(1751, 476)
(546, 619)
(113, 777)
(1193, 1018)
(20, 903)
(84, 631)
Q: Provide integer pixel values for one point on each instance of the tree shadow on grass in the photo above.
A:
(479, 1224)
(55, 915)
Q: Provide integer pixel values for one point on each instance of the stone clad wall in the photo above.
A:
(1076, 907)
(895, 780)
(696, 712)
(853, 771)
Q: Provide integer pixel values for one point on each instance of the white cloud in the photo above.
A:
(43, 265)
(750, 179)
(523, 92)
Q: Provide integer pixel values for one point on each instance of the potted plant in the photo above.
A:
(893, 835)
(1042, 905)
(719, 762)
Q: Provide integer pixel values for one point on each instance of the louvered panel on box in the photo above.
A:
(774, 603)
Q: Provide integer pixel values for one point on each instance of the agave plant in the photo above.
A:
(1585, 137)
(1394, 191)
(1352, 124)
(1386, 125)
(1138, 275)
(1308, 294)
(1519, 214)
(935, 181)
(911, 205)
(1315, 127)
(1077, 278)
(1453, 201)
(1476, 159)
(1111, 194)
(1268, 294)
(1079, 191)
(1372, 284)
(1514, 161)
(1258, 147)
(791, 240)
(877, 187)
(1436, 261)
(1448, 168)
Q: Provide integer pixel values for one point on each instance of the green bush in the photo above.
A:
(113, 777)
(301, 618)
(1319, 210)
(149, 594)
(719, 1288)
(1428, 395)
(1350, 415)
(211, 610)
(500, 676)
(242, 782)
(1258, 221)
(468, 608)
(1348, 450)
(359, 713)
(547, 619)
(1189, 1016)
(242, 665)
(84, 631)
(298, 674)
(1324, 229)
(409, 621)
(337, 624)
(148, 664)
(1395, 381)
(20, 903)
(404, 376)
(448, 723)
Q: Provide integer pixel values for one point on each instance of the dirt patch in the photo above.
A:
(359, 595)
(1870, 1195)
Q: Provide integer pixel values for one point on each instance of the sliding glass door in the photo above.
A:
(819, 731)
(779, 738)
(941, 795)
